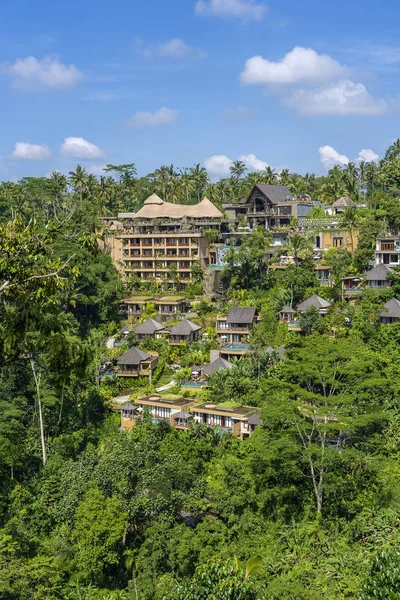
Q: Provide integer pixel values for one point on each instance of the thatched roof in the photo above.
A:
(275, 193)
(149, 327)
(343, 201)
(155, 208)
(129, 406)
(243, 315)
(391, 309)
(182, 415)
(219, 363)
(255, 420)
(314, 300)
(379, 273)
(133, 356)
(184, 327)
(287, 309)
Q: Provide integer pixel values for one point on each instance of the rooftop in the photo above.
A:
(133, 356)
(156, 208)
(275, 193)
(184, 327)
(168, 400)
(149, 327)
(391, 309)
(243, 315)
(314, 300)
(219, 363)
(379, 273)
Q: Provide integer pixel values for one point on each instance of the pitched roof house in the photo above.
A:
(219, 363)
(137, 363)
(316, 301)
(233, 330)
(391, 312)
(184, 331)
(149, 327)
(378, 277)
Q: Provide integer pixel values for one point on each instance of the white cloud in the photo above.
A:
(77, 147)
(24, 151)
(218, 165)
(238, 112)
(175, 48)
(241, 9)
(330, 157)
(343, 98)
(300, 65)
(253, 163)
(367, 155)
(31, 74)
(162, 116)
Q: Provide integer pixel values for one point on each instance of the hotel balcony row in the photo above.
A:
(166, 254)
(182, 413)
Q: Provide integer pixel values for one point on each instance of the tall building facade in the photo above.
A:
(163, 240)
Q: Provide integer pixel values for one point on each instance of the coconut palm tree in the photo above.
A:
(77, 179)
(269, 176)
(297, 245)
(351, 221)
(238, 169)
(393, 151)
(200, 177)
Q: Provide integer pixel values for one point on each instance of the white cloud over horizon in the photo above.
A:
(30, 152)
(218, 165)
(162, 116)
(342, 98)
(330, 157)
(31, 74)
(318, 84)
(174, 48)
(240, 9)
(77, 147)
(300, 65)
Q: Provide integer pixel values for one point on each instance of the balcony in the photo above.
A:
(232, 329)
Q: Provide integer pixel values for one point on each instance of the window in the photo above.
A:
(285, 210)
(337, 242)
(387, 246)
(394, 258)
(161, 413)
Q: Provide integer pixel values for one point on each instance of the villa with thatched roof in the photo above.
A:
(150, 328)
(391, 312)
(184, 332)
(137, 363)
(319, 303)
(163, 240)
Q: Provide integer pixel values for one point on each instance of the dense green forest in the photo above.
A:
(307, 508)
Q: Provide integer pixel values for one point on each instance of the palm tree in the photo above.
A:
(269, 176)
(238, 169)
(297, 245)
(186, 185)
(350, 219)
(284, 176)
(393, 151)
(200, 177)
(77, 179)
(351, 169)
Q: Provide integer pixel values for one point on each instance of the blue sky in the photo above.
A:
(296, 84)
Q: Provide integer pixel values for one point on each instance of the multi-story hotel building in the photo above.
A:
(162, 238)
